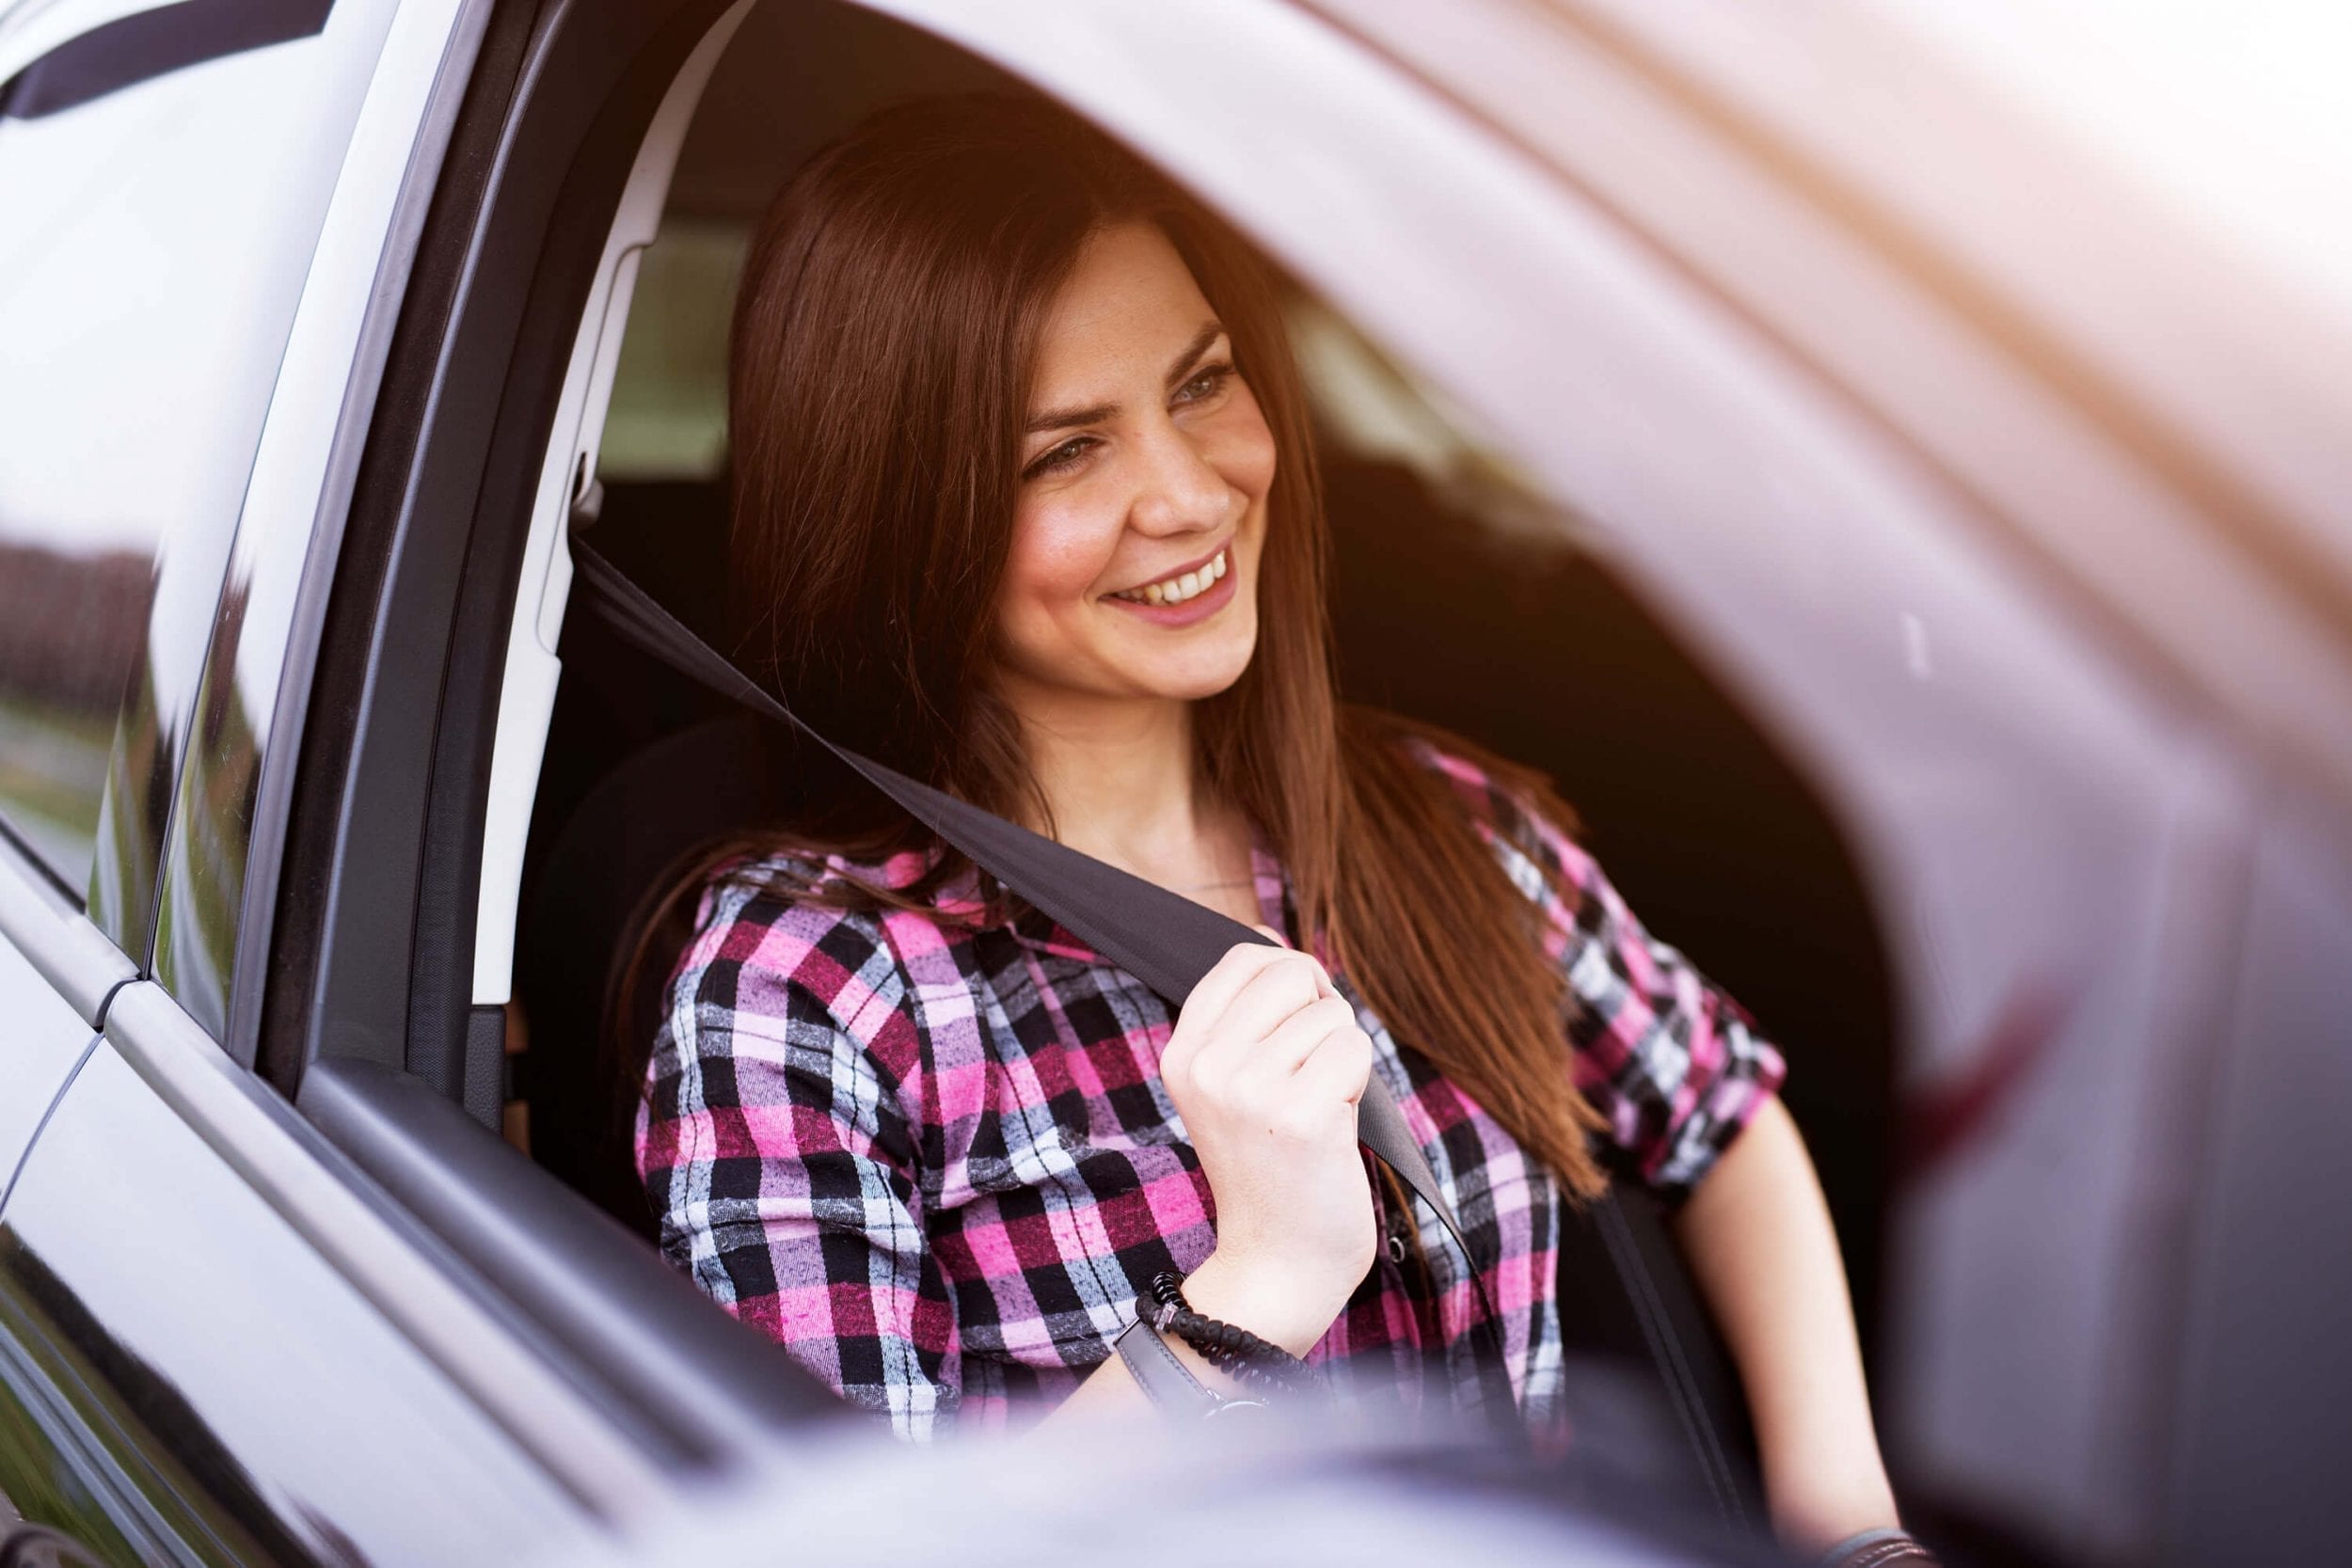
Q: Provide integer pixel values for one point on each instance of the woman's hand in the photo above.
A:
(1265, 1067)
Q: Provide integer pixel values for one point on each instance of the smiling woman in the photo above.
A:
(1026, 506)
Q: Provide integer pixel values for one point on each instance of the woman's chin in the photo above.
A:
(1118, 667)
(1204, 689)
(1194, 679)
(1192, 674)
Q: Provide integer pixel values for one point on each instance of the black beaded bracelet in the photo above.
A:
(1233, 1351)
(1888, 1547)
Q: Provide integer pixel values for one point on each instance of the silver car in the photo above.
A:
(1891, 462)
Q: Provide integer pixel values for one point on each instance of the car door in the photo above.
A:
(163, 171)
(210, 1339)
(386, 1337)
(2145, 410)
(139, 328)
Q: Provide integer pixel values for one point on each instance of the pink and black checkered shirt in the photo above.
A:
(939, 1165)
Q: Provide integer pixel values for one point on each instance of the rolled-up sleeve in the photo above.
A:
(1675, 1066)
(1672, 1064)
(774, 1150)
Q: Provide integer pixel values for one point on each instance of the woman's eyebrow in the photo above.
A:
(1209, 332)
(1063, 418)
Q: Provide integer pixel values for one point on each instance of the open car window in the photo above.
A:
(1466, 590)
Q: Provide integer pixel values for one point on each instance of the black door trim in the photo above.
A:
(375, 961)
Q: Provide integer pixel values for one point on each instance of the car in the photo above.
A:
(1947, 522)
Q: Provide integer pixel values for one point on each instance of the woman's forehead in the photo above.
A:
(1128, 310)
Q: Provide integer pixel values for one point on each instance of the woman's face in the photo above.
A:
(1144, 473)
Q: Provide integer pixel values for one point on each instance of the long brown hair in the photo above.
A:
(880, 359)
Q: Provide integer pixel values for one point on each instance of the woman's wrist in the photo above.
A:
(1271, 1300)
(1826, 1501)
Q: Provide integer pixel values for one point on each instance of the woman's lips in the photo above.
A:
(1196, 608)
(1219, 558)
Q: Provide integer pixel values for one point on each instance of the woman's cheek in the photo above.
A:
(1057, 553)
(1245, 453)
(1247, 461)
(1061, 552)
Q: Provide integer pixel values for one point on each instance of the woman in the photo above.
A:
(1026, 505)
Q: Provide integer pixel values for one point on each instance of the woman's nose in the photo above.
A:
(1179, 488)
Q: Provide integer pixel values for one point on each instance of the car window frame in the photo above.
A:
(290, 531)
(386, 1008)
(476, 579)
(540, 137)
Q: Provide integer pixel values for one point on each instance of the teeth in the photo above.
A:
(1177, 590)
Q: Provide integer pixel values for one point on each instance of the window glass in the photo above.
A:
(668, 418)
(157, 214)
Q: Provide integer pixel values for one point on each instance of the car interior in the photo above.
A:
(1460, 597)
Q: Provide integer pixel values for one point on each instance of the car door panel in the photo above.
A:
(41, 1042)
(2256, 1414)
(196, 1361)
(56, 974)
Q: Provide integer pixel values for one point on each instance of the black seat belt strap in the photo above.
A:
(1163, 938)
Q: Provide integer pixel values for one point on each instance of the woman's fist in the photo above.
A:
(1265, 1067)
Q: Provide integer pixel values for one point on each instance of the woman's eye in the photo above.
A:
(1207, 384)
(1059, 458)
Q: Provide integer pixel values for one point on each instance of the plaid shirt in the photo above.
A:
(939, 1164)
